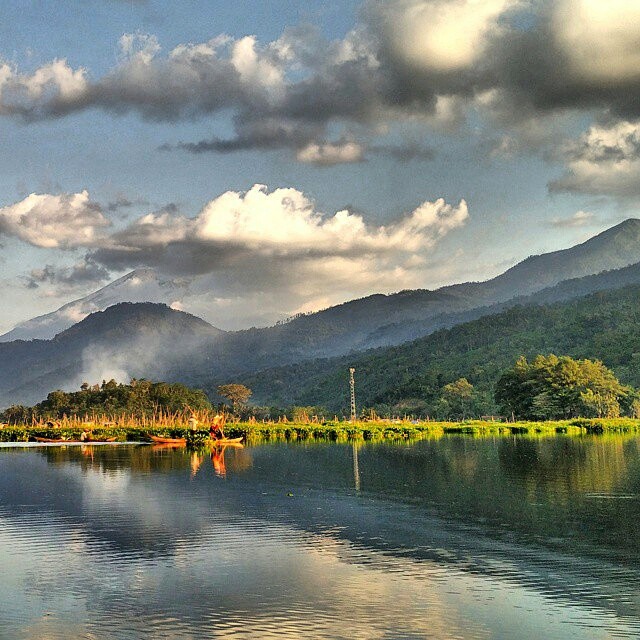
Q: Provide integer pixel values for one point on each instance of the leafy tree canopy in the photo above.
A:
(237, 394)
(140, 397)
(551, 387)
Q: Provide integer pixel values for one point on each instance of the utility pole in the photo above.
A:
(352, 386)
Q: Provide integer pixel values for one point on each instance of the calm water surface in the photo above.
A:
(511, 538)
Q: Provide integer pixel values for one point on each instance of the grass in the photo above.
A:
(132, 428)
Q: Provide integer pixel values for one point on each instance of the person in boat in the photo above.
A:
(84, 436)
(216, 429)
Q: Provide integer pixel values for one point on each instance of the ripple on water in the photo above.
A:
(158, 555)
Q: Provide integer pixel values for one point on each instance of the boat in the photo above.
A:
(227, 441)
(70, 441)
(163, 440)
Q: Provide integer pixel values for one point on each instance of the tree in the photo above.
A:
(237, 394)
(458, 396)
(552, 387)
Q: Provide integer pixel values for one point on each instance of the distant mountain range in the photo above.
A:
(612, 249)
(154, 341)
(126, 340)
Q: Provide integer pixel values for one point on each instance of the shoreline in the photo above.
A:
(331, 431)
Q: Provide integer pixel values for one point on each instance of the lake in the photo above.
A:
(457, 537)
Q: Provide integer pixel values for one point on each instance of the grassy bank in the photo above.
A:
(255, 432)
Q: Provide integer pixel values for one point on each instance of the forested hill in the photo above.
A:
(125, 341)
(604, 325)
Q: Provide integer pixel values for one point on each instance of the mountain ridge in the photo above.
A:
(192, 351)
(613, 248)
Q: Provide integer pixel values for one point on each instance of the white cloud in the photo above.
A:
(54, 221)
(600, 39)
(246, 258)
(328, 154)
(50, 90)
(285, 223)
(255, 69)
(514, 64)
(262, 253)
(578, 219)
(605, 160)
(439, 35)
(76, 313)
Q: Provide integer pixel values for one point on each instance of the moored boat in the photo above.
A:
(228, 441)
(164, 440)
(72, 441)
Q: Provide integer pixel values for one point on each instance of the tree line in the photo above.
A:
(543, 388)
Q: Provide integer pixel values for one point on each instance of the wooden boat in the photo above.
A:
(173, 441)
(63, 441)
(227, 441)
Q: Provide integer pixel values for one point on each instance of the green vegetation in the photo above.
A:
(140, 398)
(258, 432)
(556, 388)
(410, 378)
(237, 394)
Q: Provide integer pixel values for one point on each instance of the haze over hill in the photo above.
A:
(141, 285)
(126, 340)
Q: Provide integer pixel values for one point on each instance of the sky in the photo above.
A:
(284, 156)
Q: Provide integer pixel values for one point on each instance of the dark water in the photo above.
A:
(452, 538)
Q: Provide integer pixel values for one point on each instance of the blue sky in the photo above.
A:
(459, 136)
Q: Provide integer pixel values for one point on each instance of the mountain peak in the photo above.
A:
(143, 316)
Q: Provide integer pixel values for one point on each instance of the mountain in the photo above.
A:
(141, 285)
(156, 342)
(614, 248)
(375, 320)
(126, 340)
(604, 326)
(147, 340)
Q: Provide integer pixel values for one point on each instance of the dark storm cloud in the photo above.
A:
(263, 134)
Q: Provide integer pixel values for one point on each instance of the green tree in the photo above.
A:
(237, 394)
(458, 397)
(552, 387)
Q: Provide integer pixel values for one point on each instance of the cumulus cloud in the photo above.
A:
(405, 57)
(428, 61)
(331, 153)
(600, 40)
(440, 36)
(246, 257)
(262, 253)
(604, 160)
(53, 89)
(54, 221)
(241, 228)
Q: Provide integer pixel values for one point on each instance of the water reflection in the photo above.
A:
(459, 537)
